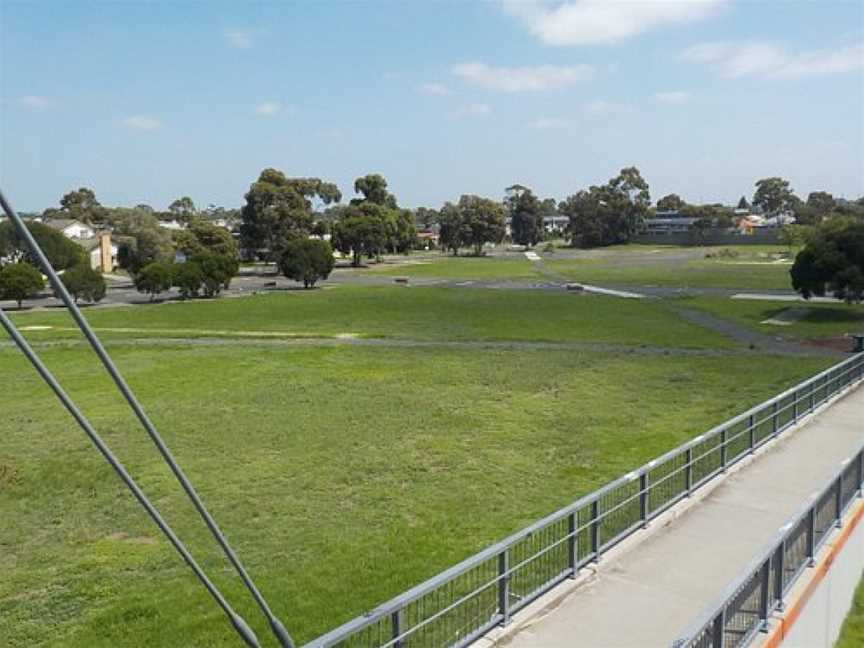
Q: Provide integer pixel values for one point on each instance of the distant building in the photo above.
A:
(555, 223)
(668, 221)
(71, 228)
(172, 225)
(102, 252)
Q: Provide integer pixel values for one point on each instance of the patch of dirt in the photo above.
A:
(122, 536)
(839, 343)
(9, 475)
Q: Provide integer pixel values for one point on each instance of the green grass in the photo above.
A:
(464, 267)
(700, 273)
(852, 633)
(342, 475)
(822, 320)
(401, 312)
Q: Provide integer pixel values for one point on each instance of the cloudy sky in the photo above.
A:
(148, 102)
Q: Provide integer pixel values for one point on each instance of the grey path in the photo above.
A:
(644, 597)
(754, 339)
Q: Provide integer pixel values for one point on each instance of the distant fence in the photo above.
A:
(719, 237)
(464, 602)
(754, 595)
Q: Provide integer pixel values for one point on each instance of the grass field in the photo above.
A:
(852, 634)
(344, 475)
(400, 312)
(464, 267)
(700, 273)
(821, 319)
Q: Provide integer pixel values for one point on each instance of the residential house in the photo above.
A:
(71, 228)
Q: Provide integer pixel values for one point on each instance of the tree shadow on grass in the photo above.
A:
(836, 315)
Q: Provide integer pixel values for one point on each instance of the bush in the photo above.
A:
(307, 260)
(154, 278)
(188, 278)
(217, 271)
(84, 282)
(20, 281)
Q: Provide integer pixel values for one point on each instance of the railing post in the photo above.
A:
(765, 582)
(723, 453)
(838, 502)
(859, 473)
(795, 406)
(643, 498)
(813, 396)
(595, 531)
(572, 544)
(779, 560)
(504, 587)
(775, 423)
(688, 472)
(717, 629)
(396, 622)
(811, 535)
(751, 424)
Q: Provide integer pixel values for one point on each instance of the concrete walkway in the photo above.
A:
(648, 593)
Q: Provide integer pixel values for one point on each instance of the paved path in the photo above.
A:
(645, 596)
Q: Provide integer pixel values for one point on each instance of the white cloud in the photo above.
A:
(673, 97)
(522, 79)
(473, 110)
(142, 122)
(603, 107)
(268, 108)
(433, 89)
(771, 61)
(602, 22)
(238, 38)
(547, 123)
(34, 102)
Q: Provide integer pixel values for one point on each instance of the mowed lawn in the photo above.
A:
(852, 633)
(514, 266)
(399, 312)
(698, 273)
(343, 475)
(817, 320)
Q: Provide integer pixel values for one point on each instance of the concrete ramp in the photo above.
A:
(643, 596)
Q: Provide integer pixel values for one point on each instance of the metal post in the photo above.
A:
(595, 531)
(838, 502)
(572, 544)
(723, 452)
(765, 581)
(778, 574)
(795, 406)
(751, 423)
(717, 629)
(504, 587)
(811, 536)
(396, 622)
(688, 472)
(774, 422)
(860, 474)
(812, 396)
(643, 498)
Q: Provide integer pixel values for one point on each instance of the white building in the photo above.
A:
(71, 228)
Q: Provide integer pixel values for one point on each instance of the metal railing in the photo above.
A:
(464, 602)
(760, 589)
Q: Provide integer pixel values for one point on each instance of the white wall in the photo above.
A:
(820, 621)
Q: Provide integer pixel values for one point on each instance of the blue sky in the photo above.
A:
(146, 102)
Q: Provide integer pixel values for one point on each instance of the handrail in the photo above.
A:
(584, 537)
(708, 628)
